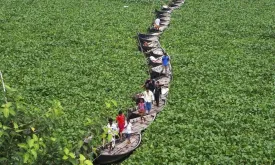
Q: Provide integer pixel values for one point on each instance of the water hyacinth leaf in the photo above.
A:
(108, 105)
(114, 103)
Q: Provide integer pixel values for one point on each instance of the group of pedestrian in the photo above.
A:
(165, 58)
(152, 93)
(144, 104)
(146, 99)
(114, 128)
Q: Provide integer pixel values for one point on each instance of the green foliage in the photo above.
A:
(27, 135)
(82, 53)
(78, 52)
(20, 128)
(221, 105)
(31, 149)
(5, 109)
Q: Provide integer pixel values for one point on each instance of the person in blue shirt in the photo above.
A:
(165, 63)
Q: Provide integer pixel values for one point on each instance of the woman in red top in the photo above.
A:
(120, 122)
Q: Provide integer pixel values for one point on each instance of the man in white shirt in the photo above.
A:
(157, 24)
(129, 127)
(148, 98)
(112, 131)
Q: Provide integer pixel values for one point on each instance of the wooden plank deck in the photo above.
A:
(163, 27)
(146, 37)
(164, 80)
(156, 33)
(164, 15)
(156, 60)
(138, 126)
(123, 147)
(155, 52)
(154, 44)
(166, 23)
(158, 69)
(154, 109)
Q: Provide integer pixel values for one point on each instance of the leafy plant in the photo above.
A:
(31, 148)
(221, 103)
(76, 52)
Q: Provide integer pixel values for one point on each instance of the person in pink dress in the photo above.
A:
(141, 109)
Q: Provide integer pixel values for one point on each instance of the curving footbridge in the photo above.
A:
(149, 44)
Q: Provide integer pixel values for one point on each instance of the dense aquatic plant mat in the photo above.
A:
(82, 53)
(221, 110)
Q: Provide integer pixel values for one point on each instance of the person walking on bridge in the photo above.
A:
(150, 83)
(120, 122)
(157, 92)
(157, 24)
(149, 99)
(165, 63)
